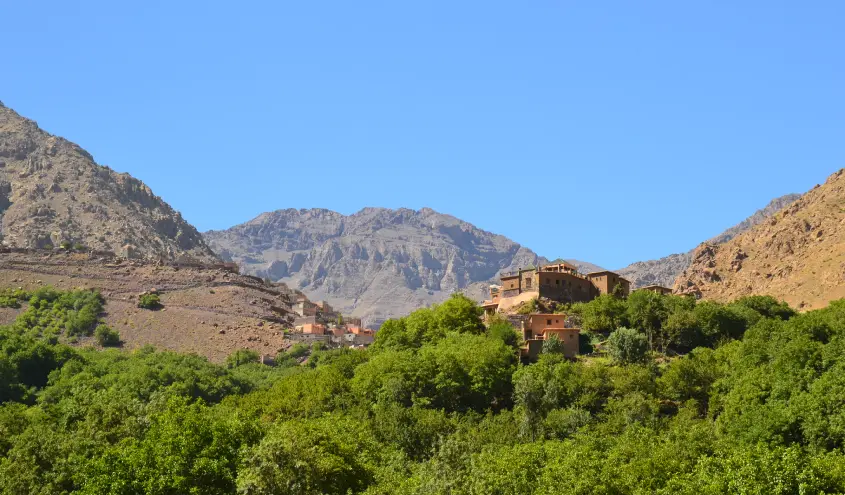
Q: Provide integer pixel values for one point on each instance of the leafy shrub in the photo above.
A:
(11, 298)
(241, 357)
(52, 312)
(149, 301)
(553, 345)
(106, 337)
(528, 307)
(627, 346)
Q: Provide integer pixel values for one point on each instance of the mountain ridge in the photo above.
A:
(797, 255)
(664, 271)
(52, 192)
(355, 261)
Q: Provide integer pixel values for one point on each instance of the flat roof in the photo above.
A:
(654, 286)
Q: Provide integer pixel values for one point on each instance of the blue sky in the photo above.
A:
(608, 131)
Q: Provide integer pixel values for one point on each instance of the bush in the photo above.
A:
(627, 346)
(12, 298)
(66, 245)
(241, 357)
(149, 301)
(553, 345)
(106, 337)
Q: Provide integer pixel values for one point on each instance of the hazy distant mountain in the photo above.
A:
(665, 270)
(376, 263)
(797, 254)
(52, 191)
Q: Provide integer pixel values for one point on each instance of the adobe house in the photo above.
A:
(657, 288)
(312, 328)
(304, 307)
(606, 281)
(539, 327)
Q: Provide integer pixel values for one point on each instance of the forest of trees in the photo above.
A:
(680, 397)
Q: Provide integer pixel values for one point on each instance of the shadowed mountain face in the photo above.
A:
(665, 270)
(376, 263)
(797, 254)
(52, 192)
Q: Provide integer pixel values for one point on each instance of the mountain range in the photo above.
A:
(378, 263)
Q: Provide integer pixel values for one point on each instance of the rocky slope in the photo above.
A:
(665, 270)
(52, 191)
(376, 263)
(797, 254)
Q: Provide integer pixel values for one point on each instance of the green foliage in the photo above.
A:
(553, 345)
(51, 313)
(12, 298)
(531, 306)
(329, 455)
(441, 406)
(106, 337)
(241, 357)
(504, 331)
(626, 345)
(149, 301)
(603, 314)
(429, 325)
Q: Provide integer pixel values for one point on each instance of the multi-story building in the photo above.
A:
(607, 282)
(539, 327)
(557, 281)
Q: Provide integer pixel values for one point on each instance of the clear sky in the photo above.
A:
(609, 131)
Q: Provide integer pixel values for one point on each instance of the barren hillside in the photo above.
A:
(665, 270)
(797, 255)
(208, 311)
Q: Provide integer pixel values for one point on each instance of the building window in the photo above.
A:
(548, 322)
(527, 283)
(557, 282)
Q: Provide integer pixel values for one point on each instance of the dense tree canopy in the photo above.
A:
(746, 397)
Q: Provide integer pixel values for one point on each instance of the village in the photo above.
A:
(558, 282)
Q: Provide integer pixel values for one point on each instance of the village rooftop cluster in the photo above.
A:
(560, 282)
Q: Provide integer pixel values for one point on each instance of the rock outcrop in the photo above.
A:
(665, 270)
(376, 263)
(52, 192)
(797, 255)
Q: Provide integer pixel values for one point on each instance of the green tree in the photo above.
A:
(241, 357)
(329, 455)
(106, 337)
(627, 346)
(646, 312)
(553, 345)
(603, 314)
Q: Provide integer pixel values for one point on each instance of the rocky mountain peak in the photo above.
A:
(375, 263)
(52, 191)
